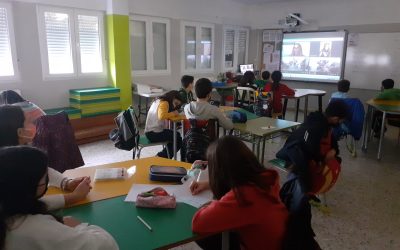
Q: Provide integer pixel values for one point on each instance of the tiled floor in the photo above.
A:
(365, 203)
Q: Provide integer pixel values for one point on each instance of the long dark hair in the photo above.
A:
(276, 79)
(10, 97)
(11, 119)
(21, 168)
(231, 164)
(169, 97)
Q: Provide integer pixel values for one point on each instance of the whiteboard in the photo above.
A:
(373, 58)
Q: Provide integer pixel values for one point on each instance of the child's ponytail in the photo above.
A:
(276, 79)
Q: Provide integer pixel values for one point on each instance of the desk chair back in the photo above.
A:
(351, 129)
(245, 97)
(55, 135)
(211, 127)
(126, 135)
(198, 135)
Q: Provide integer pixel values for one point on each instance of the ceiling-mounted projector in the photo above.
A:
(293, 20)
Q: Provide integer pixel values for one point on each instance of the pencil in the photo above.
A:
(145, 223)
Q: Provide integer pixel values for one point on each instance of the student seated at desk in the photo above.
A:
(248, 80)
(278, 90)
(202, 109)
(186, 90)
(161, 110)
(246, 199)
(31, 111)
(13, 133)
(25, 222)
(388, 93)
(265, 75)
(343, 87)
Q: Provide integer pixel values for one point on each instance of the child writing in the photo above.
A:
(246, 198)
(278, 90)
(25, 222)
(343, 87)
(186, 90)
(13, 133)
(163, 108)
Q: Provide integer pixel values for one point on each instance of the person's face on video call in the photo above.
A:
(297, 47)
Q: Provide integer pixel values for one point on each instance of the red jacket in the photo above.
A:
(261, 224)
(282, 90)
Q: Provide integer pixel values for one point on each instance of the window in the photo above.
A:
(198, 47)
(8, 61)
(150, 38)
(235, 47)
(71, 42)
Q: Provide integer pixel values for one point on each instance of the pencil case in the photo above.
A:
(156, 198)
(167, 173)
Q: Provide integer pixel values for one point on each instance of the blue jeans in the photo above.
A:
(166, 135)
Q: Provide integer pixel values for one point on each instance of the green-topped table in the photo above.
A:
(386, 107)
(259, 129)
(171, 227)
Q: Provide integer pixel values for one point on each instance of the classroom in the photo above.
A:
(286, 111)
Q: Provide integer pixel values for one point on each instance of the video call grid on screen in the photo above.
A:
(313, 56)
(246, 67)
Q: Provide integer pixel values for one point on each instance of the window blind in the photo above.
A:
(6, 61)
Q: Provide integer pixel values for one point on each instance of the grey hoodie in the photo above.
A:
(204, 111)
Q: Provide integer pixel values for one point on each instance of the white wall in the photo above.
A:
(45, 93)
(361, 16)
(212, 11)
(326, 13)
(218, 12)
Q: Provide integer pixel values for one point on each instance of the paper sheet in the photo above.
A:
(181, 192)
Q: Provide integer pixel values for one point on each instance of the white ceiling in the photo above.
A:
(261, 1)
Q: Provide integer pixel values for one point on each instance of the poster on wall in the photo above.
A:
(271, 49)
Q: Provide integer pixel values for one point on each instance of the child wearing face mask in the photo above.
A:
(161, 110)
(13, 133)
(25, 222)
(31, 111)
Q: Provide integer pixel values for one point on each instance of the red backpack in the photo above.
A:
(323, 178)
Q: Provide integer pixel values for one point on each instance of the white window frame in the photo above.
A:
(100, 16)
(74, 32)
(236, 29)
(10, 20)
(150, 71)
(198, 51)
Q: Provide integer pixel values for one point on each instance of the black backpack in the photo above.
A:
(195, 143)
(125, 136)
